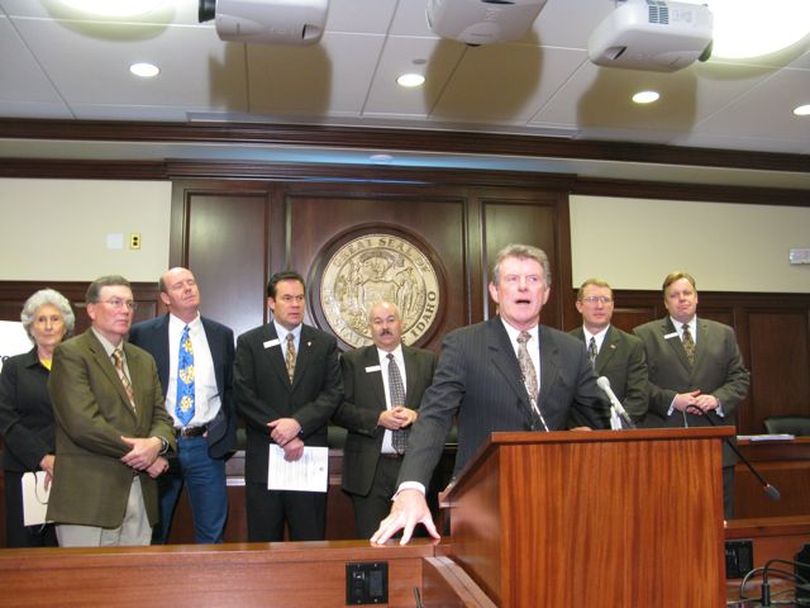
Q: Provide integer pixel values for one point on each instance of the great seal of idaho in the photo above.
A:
(372, 268)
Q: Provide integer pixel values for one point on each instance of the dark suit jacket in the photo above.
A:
(364, 399)
(478, 377)
(718, 371)
(91, 485)
(263, 391)
(153, 336)
(26, 414)
(621, 360)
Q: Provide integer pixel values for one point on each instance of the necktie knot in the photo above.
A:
(524, 337)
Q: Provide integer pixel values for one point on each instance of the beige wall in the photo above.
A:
(54, 229)
(634, 243)
(57, 230)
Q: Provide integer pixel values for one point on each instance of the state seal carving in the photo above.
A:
(376, 267)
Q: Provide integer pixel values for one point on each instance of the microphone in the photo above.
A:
(771, 491)
(604, 383)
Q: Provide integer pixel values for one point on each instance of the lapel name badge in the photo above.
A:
(271, 343)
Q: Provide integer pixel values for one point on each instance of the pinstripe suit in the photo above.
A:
(478, 378)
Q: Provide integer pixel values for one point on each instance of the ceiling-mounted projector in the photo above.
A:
(653, 35)
(266, 21)
(477, 22)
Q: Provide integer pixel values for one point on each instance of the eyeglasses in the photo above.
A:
(118, 304)
(600, 299)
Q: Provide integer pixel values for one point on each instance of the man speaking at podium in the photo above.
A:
(506, 374)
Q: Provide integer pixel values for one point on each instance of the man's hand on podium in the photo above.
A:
(409, 509)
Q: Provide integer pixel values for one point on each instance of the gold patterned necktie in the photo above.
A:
(290, 356)
(118, 362)
(688, 344)
(529, 373)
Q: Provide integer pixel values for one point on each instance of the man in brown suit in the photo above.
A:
(111, 428)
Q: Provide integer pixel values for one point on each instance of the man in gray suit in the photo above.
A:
(615, 354)
(373, 412)
(506, 374)
(695, 369)
(112, 430)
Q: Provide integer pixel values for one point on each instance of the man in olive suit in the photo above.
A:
(111, 428)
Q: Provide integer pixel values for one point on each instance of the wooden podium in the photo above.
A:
(603, 518)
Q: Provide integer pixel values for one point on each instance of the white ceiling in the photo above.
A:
(54, 66)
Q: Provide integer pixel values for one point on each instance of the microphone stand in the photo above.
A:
(771, 491)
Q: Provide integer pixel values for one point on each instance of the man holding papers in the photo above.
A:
(287, 384)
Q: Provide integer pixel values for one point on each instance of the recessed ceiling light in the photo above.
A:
(646, 96)
(144, 70)
(802, 110)
(411, 80)
(381, 159)
(113, 8)
(751, 28)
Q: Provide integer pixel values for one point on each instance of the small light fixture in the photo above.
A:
(802, 110)
(643, 97)
(410, 80)
(144, 70)
(381, 159)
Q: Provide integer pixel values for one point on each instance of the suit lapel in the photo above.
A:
(609, 346)
(162, 352)
(275, 354)
(106, 365)
(304, 354)
(138, 376)
(371, 358)
(411, 372)
(703, 337)
(503, 358)
(675, 343)
(549, 360)
(212, 337)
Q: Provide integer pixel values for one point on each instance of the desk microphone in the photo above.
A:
(604, 383)
(771, 491)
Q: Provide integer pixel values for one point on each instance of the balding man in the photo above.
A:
(200, 404)
(383, 385)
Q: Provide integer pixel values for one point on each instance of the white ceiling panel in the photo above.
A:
(433, 58)
(89, 65)
(331, 78)
(57, 63)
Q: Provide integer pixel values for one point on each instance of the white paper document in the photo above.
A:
(35, 498)
(307, 474)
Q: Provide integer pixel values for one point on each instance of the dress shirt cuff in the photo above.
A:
(409, 485)
(719, 411)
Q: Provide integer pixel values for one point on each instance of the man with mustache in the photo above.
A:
(506, 374)
(377, 414)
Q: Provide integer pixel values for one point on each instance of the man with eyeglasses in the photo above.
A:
(194, 355)
(287, 384)
(615, 354)
(112, 431)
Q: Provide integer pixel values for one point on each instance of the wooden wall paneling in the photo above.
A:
(226, 245)
(779, 364)
(532, 222)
